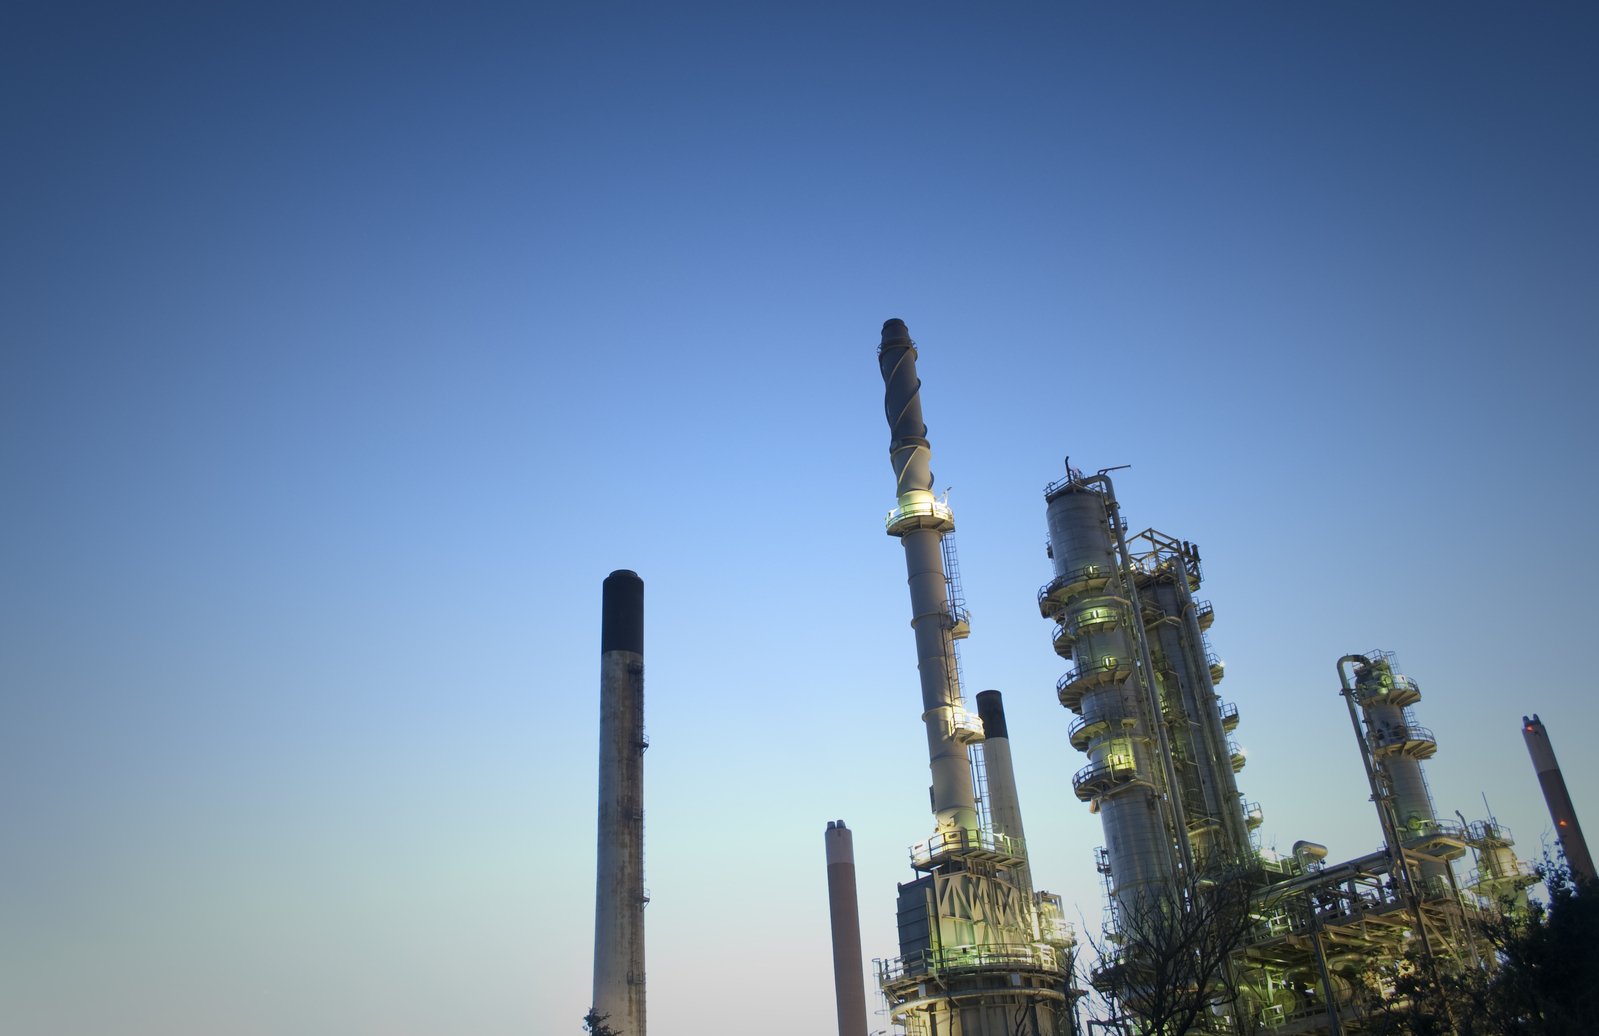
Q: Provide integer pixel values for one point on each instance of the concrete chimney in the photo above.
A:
(849, 984)
(619, 871)
(1558, 799)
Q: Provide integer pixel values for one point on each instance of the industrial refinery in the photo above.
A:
(1204, 931)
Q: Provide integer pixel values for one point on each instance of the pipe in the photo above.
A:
(849, 984)
(1329, 994)
(1003, 804)
(1558, 799)
(619, 864)
(920, 522)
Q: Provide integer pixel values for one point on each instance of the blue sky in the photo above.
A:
(347, 351)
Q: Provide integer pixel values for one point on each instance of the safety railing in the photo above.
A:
(1097, 778)
(1422, 828)
(962, 840)
(966, 725)
(1079, 733)
(1061, 483)
(1487, 834)
(1033, 957)
(1080, 574)
(1401, 734)
(935, 509)
(1098, 667)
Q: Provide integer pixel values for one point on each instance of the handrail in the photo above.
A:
(930, 509)
(1080, 573)
(960, 838)
(1041, 956)
(1107, 664)
(1401, 734)
(1096, 771)
(1431, 829)
(1061, 483)
(1489, 831)
(1115, 714)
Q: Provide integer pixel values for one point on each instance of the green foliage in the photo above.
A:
(1548, 978)
(1544, 978)
(594, 1024)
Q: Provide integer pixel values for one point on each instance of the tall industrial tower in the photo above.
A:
(980, 953)
(619, 896)
(1304, 941)
(1161, 768)
(1394, 745)
(1558, 799)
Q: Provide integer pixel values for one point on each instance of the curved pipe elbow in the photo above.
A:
(1343, 677)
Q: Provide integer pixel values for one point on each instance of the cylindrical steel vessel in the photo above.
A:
(1086, 598)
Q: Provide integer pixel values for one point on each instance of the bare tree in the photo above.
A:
(1167, 966)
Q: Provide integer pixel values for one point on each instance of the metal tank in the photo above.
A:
(1090, 601)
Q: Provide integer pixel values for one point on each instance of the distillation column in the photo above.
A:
(1555, 795)
(1185, 674)
(1398, 744)
(1116, 725)
(849, 982)
(619, 867)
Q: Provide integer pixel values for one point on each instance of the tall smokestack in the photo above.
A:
(1003, 805)
(619, 870)
(920, 521)
(849, 986)
(1558, 799)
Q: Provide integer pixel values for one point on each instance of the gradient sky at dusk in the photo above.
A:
(346, 351)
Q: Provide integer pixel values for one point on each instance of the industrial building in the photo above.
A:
(981, 953)
(1312, 943)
